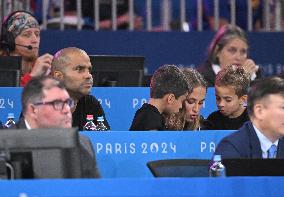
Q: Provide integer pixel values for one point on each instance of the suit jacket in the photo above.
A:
(244, 144)
(87, 156)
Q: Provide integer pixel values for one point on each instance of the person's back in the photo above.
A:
(168, 90)
(231, 87)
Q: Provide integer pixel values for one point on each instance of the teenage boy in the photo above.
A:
(168, 90)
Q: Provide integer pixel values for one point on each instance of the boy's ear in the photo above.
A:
(171, 98)
(58, 74)
(243, 100)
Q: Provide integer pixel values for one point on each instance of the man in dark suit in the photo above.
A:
(262, 136)
(47, 104)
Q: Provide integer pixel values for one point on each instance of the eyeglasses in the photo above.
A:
(58, 104)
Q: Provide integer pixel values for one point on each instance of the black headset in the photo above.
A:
(7, 40)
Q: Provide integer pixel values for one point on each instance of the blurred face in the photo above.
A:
(234, 52)
(28, 37)
(77, 75)
(272, 116)
(228, 103)
(48, 117)
(194, 103)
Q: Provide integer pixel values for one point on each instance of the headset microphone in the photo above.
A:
(28, 46)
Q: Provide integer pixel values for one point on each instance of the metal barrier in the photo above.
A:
(272, 13)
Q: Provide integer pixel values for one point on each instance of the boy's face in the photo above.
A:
(175, 105)
(228, 103)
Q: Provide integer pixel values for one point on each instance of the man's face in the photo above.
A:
(228, 103)
(46, 116)
(77, 75)
(272, 117)
(28, 37)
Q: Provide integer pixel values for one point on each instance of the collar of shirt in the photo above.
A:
(265, 143)
(27, 125)
(216, 68)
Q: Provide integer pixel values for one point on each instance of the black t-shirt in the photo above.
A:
(87, 105)
(148, 118)
(220, 122)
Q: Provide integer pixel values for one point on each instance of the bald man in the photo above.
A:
(73, 67)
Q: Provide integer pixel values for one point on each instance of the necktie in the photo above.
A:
(272, 151)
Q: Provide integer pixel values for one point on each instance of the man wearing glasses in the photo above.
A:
(47, 104)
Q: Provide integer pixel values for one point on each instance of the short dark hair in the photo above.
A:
(168, 79)
(236, 77)
(33, 91)
(262, 88)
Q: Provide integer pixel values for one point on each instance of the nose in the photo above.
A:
(195, 107)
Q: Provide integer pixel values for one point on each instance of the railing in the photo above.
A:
(272, 13)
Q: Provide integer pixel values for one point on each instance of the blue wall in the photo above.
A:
(163, 47)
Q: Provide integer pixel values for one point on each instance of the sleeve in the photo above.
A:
(25, 79)
(227, 150)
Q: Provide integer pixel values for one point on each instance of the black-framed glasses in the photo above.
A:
(58, 104)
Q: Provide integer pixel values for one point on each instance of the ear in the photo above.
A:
(243, 100)
(58, 74)
(32, 110)
(171, 98)
(258, 110)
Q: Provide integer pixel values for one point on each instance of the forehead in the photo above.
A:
(79, 58)
(31, 30)
(225, 91)
(55, 93)
(198, 91)
(236, 42)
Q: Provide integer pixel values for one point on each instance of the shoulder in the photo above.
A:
(89, 100)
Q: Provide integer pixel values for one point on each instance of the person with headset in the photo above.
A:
(20, 36)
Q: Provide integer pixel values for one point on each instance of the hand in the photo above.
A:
(250, 67)
(42, 65)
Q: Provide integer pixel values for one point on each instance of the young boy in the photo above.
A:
(168, 90)
(231, 86)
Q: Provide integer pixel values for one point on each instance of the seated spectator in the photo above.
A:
(241, 13)
(47, 104)
(20, 36)
(73, 67)
(168, 90)
(105, 16)
(189, 118)
(231, 87)
(228, 47)
(262, 136)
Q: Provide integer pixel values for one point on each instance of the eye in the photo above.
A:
(232, 50)
(80, 68)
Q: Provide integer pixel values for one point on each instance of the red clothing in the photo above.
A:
(25, 79)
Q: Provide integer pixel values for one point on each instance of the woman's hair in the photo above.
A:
(224, 35)
(177, 121)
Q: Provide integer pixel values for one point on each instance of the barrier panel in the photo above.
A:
(120, 104)
(166, 187)
(125, 154)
